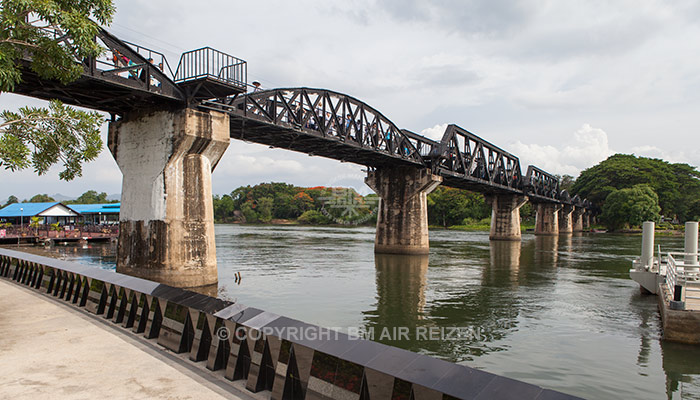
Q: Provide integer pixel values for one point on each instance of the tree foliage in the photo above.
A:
(11, 200)
(40, 198)
(267, 201)
(54, 36)
(449, 206)
(676, 185)
(41, 137)
(630, 207)
(90, 197)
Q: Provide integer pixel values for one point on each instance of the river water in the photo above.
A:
(560, 312)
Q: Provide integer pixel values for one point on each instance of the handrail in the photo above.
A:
(207, 62)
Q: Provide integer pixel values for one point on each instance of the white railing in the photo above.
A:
(689, 278)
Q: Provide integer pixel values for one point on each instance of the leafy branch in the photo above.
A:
(40, 137)
(53, 36)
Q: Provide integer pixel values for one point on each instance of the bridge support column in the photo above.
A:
(577, 217)
(586, 220)
(546, 219)
(166, 221)
(566, 225)
(402, 219)
(505, 216)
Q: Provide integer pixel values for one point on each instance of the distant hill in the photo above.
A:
(60, 197)
(113, 197)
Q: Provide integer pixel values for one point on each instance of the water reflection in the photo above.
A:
(547, 250)
(680, 362)
(555, 311)
(504, 257)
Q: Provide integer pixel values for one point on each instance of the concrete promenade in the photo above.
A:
(51, 350)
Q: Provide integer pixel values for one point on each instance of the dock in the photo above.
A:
(675, 279)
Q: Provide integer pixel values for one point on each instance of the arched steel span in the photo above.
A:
(319, 122)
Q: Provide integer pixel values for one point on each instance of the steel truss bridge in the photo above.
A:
(320, 122)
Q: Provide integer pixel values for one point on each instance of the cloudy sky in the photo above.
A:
(560, 84)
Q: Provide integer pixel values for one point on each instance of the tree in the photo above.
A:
(91, 197)
(630, 207)
(41, 198)
(677, 185)
(565, 182)
(11, 200)
(264, 209)
(248, 213)
(449, 206)
(55, 35)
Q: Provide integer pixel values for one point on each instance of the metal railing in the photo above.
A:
(158, 58)
(210, 63)
(680, 278)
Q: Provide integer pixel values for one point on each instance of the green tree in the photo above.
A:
(313, 217)
(41, 198)
(630, 207)
(11, 200)
(449, 206)
(566, 182)
(55, 36)
(91, 197)
(224, 208)
(249, 213)
(264, 209)
(677, 185)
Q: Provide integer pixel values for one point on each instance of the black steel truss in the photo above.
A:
(467, 157)
(541, 184)
(319, 122)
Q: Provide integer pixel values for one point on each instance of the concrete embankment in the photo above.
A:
(51, 350)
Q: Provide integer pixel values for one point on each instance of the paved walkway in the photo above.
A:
(51, 350)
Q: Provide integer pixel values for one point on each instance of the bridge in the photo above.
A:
(169, 129)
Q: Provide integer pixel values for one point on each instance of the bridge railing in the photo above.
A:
(214, 64)
(541, 183)
(470, 157)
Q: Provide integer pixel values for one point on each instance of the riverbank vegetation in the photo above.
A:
(628, 190)
(285, 203)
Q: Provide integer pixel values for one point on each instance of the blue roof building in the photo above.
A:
(59, 212)
(54, 209)
(110, 208)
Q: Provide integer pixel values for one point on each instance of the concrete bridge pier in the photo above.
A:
(402, 219)
(566, 223)
(547, 219)
(586, 220)
(577, 219)
(167, 222)
(505, 216)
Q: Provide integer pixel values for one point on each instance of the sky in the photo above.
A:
(560, 84)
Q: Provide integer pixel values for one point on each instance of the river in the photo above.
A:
(560, 312)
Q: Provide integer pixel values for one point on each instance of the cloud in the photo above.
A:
(588, 147)
(689, 156)
(436, 132)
